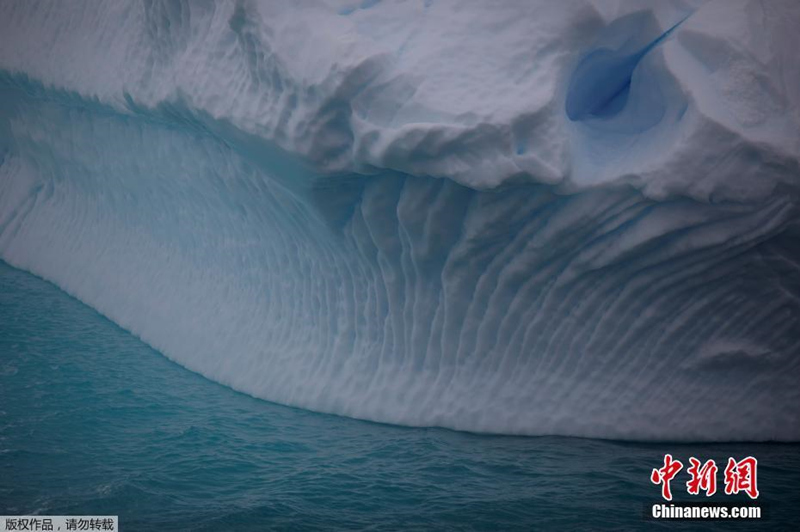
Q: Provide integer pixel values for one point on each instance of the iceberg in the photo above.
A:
(576, 218)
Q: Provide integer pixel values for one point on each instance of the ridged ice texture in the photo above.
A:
(416, 213)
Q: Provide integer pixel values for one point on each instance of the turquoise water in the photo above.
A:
(92, 421)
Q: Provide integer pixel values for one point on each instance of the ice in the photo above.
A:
(572, 218)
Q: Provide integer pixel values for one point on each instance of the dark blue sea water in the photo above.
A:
(93, 421)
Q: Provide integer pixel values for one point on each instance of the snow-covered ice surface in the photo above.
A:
(576, 218)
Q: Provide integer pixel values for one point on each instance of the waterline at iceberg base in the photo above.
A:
(99, 423)
(531, 219)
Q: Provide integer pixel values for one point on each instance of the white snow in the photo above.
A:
(526, 217)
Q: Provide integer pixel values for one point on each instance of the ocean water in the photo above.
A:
(93, 421)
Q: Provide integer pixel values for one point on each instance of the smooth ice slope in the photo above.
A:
(532, 218)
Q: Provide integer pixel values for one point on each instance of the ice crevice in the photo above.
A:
(601, 85)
